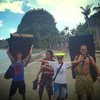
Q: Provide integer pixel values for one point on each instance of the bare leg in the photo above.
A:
(40, 96)
(49, 97)
(89, 97)
(62, 99)
(23, 97)
(49, 92)
(79, 97)
(9, 98)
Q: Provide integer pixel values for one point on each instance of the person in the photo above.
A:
(60, 82)
(84, 83)
(18, 78)
(46, 77)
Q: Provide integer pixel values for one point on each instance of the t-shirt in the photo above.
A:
(18, 71)
(61, 77)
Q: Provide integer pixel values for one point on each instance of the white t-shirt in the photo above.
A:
(61, 77)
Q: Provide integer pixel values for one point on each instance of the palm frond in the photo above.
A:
(82, 8)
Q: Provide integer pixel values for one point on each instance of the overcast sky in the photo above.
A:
(65, 12)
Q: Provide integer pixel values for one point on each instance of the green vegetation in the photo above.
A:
(42, 25)
(3, 44)
(91, 25)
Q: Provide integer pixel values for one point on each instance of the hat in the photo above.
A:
(59, 54)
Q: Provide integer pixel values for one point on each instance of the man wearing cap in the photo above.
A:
(60, 82)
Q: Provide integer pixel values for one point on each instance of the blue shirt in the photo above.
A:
(18, 71)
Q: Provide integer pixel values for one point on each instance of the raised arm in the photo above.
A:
(45, 66)
(95, 66)
(44, 61)
(9, 55)
(28, 57)
(76, 60)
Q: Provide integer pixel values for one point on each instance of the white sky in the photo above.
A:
(65, 12)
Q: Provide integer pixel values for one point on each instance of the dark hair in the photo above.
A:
(83, 45)
(16, 55)
(51, 52)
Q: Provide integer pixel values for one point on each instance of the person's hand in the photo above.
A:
(84, 60)
(76, 62)
(30, 52)
(39, 60)
(7, 49)
(44, 61)
(43, 66)
(98, 78)
(46, 64)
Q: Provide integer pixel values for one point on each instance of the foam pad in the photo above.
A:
(19, 44)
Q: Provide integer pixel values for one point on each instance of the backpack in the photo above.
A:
(10, 71)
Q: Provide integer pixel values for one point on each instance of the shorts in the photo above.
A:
(46, 83)
(84, 84)
(17, 84)
(60, 90)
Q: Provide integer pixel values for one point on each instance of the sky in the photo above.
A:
(65, 13)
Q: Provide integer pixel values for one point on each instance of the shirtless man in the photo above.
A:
(84, 83)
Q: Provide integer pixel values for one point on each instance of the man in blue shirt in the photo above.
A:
(18, 78)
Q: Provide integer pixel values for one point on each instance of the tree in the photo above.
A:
(93, 23)
(97, 9)
(3, 44)
(86, 12)
(66, 29)
(73, 32)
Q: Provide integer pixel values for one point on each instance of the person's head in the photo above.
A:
(59, 57)
(49, 54)
(83, 49)
(19, 56)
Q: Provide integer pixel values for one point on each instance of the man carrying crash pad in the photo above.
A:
(84, 82)
(18, 73)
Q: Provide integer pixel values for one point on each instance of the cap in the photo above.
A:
(59, 54)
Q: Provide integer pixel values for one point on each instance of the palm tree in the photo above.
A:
(67, 33)
(97, 9)
(66, 29)
(73, 31)
(86, 12)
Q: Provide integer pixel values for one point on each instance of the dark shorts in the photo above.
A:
(20, 85)
(46, 83)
